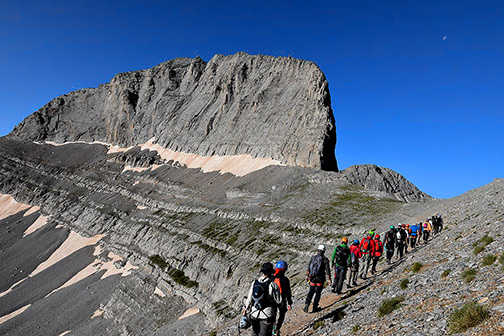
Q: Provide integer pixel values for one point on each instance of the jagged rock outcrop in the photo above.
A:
(377, 178)
(266, 107)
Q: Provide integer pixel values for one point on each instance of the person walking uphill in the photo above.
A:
(339, 261)
(390, 242)
(377, 253)
(355, 255)
(427, 228)
(285, 292)
(262, 302)
(318, 270)
(366, 247)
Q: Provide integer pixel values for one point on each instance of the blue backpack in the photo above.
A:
(414, 230)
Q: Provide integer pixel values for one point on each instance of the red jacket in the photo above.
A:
(355, 250)
(378, 248)
(371, 246)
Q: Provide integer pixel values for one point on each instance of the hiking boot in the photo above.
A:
(316, 309)
(305, 309)
(348, 286)
(333, 290)
(355, 284)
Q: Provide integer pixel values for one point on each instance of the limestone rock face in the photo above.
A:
(266, 107)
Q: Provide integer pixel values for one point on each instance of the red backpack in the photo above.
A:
(378, 248)
(366, 245)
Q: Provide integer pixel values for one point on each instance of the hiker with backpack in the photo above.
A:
(339, 262)
(440, 223)
(366, 247)
(355, 255)
(285, 292)
(262, 302)
(420, 232)
(427, 228)
(377, 253)
(400, 241)
(316, 274)
(390, 242)
(407, 230)
(435, 225)
(413, 231)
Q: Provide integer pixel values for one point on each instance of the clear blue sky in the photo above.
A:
(416, 86)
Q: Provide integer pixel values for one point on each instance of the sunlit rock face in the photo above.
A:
(262, 106)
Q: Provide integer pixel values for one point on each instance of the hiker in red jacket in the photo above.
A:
(366, 246)
(377, 252)
(355, 255)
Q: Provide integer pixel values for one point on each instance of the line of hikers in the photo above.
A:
(272, 292)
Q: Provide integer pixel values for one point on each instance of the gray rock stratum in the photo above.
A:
(266, 107)
(134, 236)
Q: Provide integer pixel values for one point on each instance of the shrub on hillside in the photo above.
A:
(470, 315)
(481, 243)
(416, 267)
(446, 273)
(469, 275)
(389, 305)
(488, 260)
(404, 283)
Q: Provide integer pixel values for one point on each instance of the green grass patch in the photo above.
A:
(488, 260)
(481, 243)
(446, 273)
(209, 248)
(157, 260)
(404, 283)
(389, 305)
(179, 277)
(416, 267)
(470, 315)
(355, 328)
(318, 324)
(469, 275)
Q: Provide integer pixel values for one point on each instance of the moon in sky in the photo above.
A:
(445, 38)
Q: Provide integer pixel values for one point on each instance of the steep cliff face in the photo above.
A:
(266, 107)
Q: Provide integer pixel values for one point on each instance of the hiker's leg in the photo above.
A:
(256, 326)
(318, 293)
(266, 327)
(355, 274)
(336, 275)
(281, 317)
(310, 295)
(361, 267)
(368, 262)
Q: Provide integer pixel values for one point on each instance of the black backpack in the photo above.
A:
(390, 237)
(342, 255)
(260, 295)
(316, 265)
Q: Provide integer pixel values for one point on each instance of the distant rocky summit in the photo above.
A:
(377, 178)
(266, 107)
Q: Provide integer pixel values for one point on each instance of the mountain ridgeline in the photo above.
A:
(146, 206)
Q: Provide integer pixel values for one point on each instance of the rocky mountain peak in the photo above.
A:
(277, 108)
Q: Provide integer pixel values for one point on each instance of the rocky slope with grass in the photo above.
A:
(451, 285)
(128, 236)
